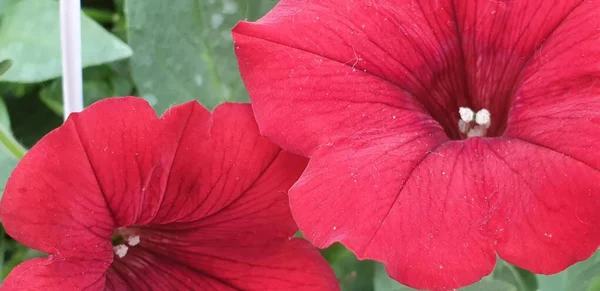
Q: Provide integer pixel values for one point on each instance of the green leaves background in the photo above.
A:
(33, 43)
(167, 52)
(192, 57)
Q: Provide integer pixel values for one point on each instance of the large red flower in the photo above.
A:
(191, 201)
(382, 96)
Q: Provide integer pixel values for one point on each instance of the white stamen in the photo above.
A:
(120, 250)
(482, 117)
(477, 130)
(463, 126)
(466, 114)
(133, 240)
(482, 120)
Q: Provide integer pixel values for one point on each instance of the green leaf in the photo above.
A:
(354, 275)
(583, 276)
(491, 285)
(595, 284)
(183, 49)
(51, 95)
(14, 254)
(101, 16)
(334, 253)
(30, 37)
(383, 282)
(522, 279)
(99, 82)
(5, 5)
(4, 66)
(10, 150)
(4, 117)
(30, 118)
(15, 90)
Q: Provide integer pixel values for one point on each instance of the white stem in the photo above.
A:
(70, 35)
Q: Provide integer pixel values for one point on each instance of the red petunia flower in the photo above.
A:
(441, 133)
(191, 201)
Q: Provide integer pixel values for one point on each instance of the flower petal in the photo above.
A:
(255, 219)
(557, 112)
(395, 204)
(258, 216)
(183, 166)
(323, 61)
(460, 202)
(147, 269)
(499, 39)
(293, 265)
(548, 217)
(217, 160)
(557, 106)
(56, 274)
(129, 154)
(242, 240)
(432, 55)
(53, 203)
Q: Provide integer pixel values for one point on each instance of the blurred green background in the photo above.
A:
(166, 52)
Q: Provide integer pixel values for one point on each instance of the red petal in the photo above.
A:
(241, 243)
(128, 153)
(557, 112)
(149, 269)
(405, 54)
(395, 204)
(256, 217)
(294, 265)
(216, 161)
(56, 274)
(331, 82)
(500, 38)
(52, 201)
(547, 208)
(557, 106)
(454, 205)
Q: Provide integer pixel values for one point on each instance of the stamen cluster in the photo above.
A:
(473, 124)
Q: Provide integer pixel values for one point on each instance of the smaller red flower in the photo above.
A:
(124, 200)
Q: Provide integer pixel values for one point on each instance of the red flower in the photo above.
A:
(192, 201)
(371, 91)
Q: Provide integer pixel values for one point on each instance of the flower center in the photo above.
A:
(473, 124)
(122, 240)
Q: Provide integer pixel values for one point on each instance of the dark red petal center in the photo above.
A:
(450, 85)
